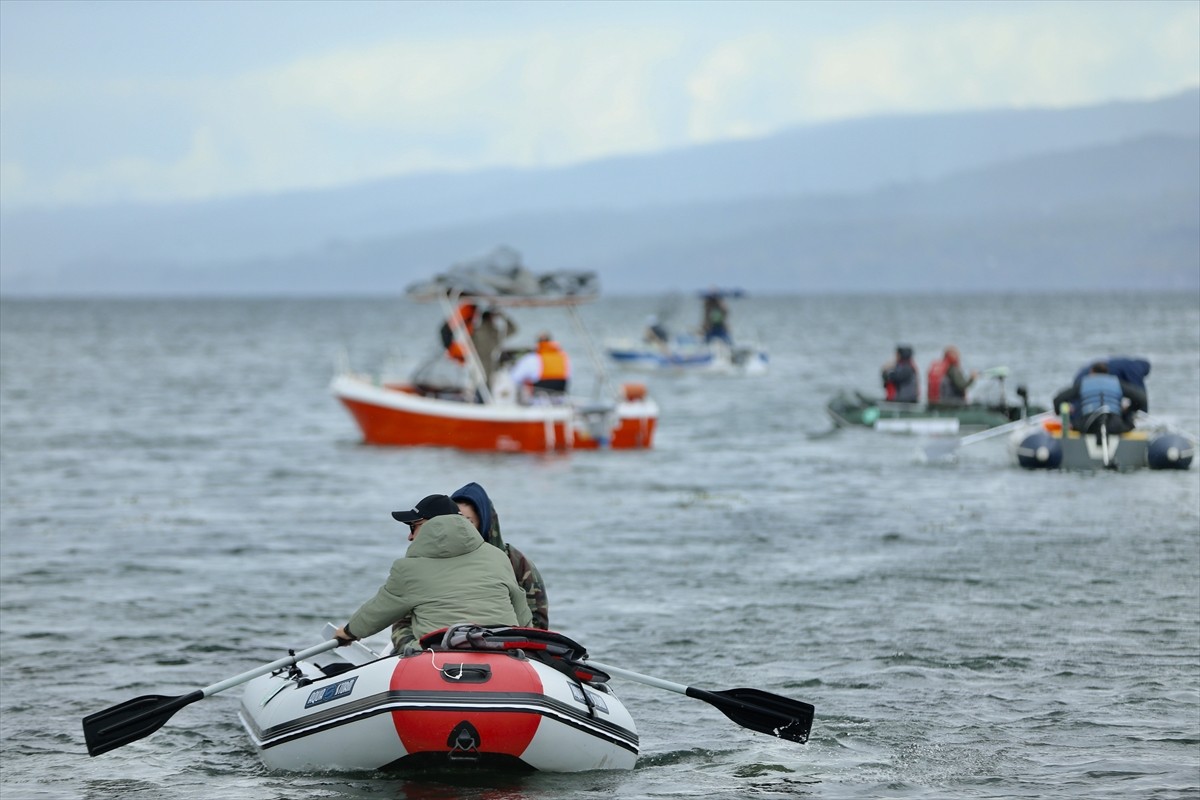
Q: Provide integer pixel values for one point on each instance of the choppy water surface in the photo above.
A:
(183, 501)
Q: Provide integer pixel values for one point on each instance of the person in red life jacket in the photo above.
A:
(1098, 391)
(545, 369)
(947, 383)
(901, 379)
(461, 319)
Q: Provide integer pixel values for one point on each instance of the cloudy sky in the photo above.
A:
(155, 101)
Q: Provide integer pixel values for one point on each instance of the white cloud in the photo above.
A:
(548, 98)
(741, 88)
(1048, 56)
(399, 107)
(200, 172)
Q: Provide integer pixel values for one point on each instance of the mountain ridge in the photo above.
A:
(1136, 152)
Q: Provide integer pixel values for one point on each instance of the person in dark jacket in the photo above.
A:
(715, 323)
(901, 380)
(476, 506)
(1100, 395)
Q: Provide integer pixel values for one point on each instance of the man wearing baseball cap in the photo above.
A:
(435, 505)
(447, 576)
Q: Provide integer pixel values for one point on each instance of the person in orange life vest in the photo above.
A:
(546, 368)
(462, 319)
(901, 380)
(947, 383)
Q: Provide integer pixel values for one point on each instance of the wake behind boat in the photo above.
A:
(454, 404)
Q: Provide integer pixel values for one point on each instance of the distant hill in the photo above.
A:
(1106, 195)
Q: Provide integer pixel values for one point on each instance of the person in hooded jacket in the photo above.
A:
(901, 379)
(447, 576)
(477, 507)
(475, 504)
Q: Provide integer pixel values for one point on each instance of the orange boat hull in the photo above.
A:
(390, 416)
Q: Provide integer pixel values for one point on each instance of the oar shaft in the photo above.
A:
(1005, 428)
(287, 661)
(639, 677)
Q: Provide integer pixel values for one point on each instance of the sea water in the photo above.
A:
(183, 500)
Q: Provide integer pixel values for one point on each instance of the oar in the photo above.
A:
(138, 718)
(943, 448)
(751, 708)
(1162, 423)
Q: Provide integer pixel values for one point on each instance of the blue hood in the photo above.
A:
(1126, 368)
(475, 494)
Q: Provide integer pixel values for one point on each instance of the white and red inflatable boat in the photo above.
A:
(474, 697)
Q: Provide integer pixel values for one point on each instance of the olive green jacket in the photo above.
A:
(446, 577)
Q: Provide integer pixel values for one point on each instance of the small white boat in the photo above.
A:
(688, 354)
(497, 699)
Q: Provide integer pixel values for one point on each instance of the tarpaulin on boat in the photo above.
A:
(500, 273)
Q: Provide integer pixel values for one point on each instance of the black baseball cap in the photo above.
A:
(435, 505)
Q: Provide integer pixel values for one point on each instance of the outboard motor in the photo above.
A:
(1023, 393)
(1039, 450)
(1170, 451)
(599, 420)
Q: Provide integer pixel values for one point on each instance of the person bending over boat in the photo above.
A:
(901, 381)
(946, 382)
(546, 369)
(474, 504)
(1096, 391)
(447, 576)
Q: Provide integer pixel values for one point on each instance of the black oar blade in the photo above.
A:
(132, 720)
(761, 711)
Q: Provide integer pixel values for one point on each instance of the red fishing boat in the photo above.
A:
(448, 402)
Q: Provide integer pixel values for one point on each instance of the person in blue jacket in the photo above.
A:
(1098, 391)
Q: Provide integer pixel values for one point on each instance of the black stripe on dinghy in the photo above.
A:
(403, 700)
